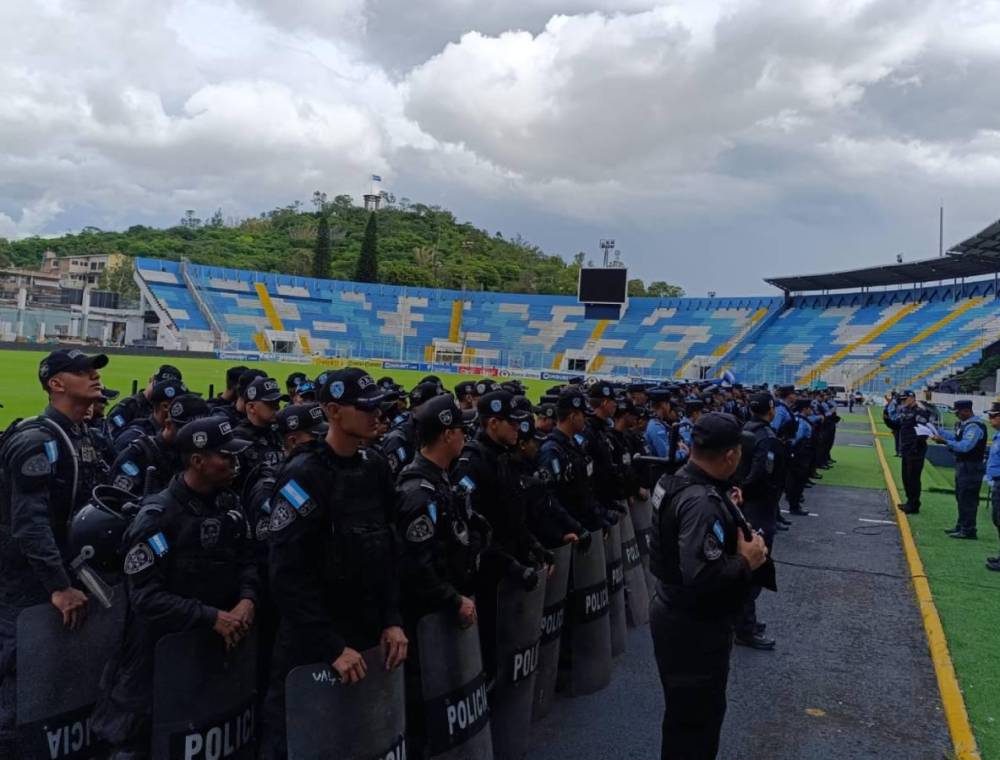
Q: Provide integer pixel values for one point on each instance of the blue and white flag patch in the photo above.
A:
(719, 533)
(158, 544)
(432, 510)
(52, 451)
(295, 494)
(467, 483)
(130, 468)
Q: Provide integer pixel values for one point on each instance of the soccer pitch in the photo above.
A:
(22, 396)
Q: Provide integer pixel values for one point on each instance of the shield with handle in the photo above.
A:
(636, 592)
(590, 632)
(553, 615)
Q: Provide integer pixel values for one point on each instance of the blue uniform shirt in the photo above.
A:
(803, 432)
(993, 458)
(965, 438)
(781, 416)
(656, 438)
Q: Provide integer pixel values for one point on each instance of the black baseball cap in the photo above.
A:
(293, 380)
(545, 409)
(657, 395)
(994, 409)
(572, 399)
(264, 389)
(233, 375)
(301, 417)
(602, 390)
(168, 390)
(248, 377)
(442, 413)
(423, 392)
(465, 388)
(352, 386)
(802, 403)
(961, 404)
(501, 404)
(485, 385)
(167, 372)
(716, 431)
(761, 402)
(188, 407)
(73, 360)
(305, 389)
(209, 434)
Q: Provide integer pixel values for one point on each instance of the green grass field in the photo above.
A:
(967, 595)
(21, 394)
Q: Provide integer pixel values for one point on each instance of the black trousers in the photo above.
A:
(692, 657)
(912, 467)
(968, 481)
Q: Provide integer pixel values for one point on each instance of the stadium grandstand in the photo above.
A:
(870, 329)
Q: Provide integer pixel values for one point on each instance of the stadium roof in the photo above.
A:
(977, 256)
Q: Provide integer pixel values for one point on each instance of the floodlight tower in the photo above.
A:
(607, 246)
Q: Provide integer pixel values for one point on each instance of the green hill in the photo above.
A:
(417, 245)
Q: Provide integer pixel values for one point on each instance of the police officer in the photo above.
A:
(968, 444)
(484, 475)
(261, 400)
(703, 556)
(334, 566)
(800, 458)
(441, 545)
(545, 417)
(161, 396)
(760, 484)
(662, 434)
(100, 426)
(609, 456)
(912, 447)
(293, 381)
(48, 467)
(993, 477)
(189, 565)
(465, 393)
(149, 462)
(225, 403)
(140, 405)
(400, 443)
(563, 455)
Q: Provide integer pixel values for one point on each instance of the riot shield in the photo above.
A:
(519, 625)
(590, 634)
(636, 593)
(553, 615)
(204, 698)
(362, 721)
(58, 677)
(616, 589)
(642, 521)
(454, 688)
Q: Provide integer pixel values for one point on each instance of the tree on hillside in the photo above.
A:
(118, 279)
(428, 259)
(664, 290)
(367, 270)
(321, 256)
(636, 288)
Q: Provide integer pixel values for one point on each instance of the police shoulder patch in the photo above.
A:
(138, 559)
(282, 516)
(130, 468)
(718, 531)
(123, 482)
(36, 465)
(420, 530)
(711, 547)
(658, 493)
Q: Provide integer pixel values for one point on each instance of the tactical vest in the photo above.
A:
(978, 451)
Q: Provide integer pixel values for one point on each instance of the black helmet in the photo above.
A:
(95, 532)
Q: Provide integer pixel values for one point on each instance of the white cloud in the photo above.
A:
(658, 115)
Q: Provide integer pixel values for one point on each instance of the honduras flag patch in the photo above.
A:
(52, 451)
(158, 544)
(295, 494)
(467, 483)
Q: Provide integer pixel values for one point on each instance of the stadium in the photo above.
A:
(870, 330)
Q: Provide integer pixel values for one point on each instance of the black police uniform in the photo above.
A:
(761, 481)
(38, 472)
(334, 563)
(400, 444)
(547, 519)
(608, 457)
(264, 451)
(223, 408)
(702, 585)
(130, 470)
(189, 557)
(440, 558)
(573, 472)
(129, 409)
(913, 450)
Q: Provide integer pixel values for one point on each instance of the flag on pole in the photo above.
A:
(376, 178)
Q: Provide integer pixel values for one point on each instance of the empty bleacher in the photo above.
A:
(871, 339)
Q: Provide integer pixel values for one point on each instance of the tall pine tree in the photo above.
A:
(321, 258)
(367, 270)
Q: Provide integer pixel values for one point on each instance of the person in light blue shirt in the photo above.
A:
(661, 438)
(968, 444)
(783, 416)
(993, 477)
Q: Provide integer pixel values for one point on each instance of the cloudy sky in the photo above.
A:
(718, 142)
